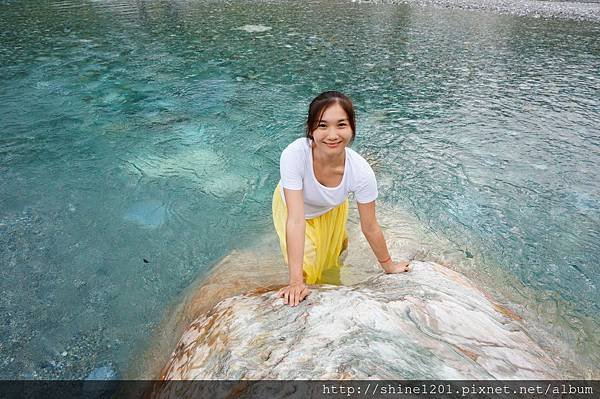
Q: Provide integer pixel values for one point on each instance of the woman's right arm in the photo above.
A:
(296, 290)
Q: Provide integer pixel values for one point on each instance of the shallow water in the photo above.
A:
(140, 144)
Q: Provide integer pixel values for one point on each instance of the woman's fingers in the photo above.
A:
(293, 295)
(400, 267)
(296, 297)
(305, 292)
(285, 294)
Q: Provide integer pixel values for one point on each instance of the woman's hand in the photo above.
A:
(293, 293)
(391, 267)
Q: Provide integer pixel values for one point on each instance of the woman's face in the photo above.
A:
(333, 133)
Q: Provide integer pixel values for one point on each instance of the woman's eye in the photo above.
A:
(322, 126)
(342, 125)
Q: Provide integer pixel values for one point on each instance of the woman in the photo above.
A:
(310, 203)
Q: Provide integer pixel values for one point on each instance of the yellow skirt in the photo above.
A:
(324, 241)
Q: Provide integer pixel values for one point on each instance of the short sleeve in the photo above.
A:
(291, 168)
(366, 188)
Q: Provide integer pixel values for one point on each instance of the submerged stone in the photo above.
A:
(150, 214)
(102, 374)
(95, 388)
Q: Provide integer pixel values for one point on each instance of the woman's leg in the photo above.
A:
(324, 241)
(279, 221)
(328, 232)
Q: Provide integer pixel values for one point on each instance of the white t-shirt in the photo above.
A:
(296, 169)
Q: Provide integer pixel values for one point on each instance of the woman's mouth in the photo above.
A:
(332, 145)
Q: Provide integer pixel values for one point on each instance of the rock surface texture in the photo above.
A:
(430, 323)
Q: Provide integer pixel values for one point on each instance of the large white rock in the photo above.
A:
(430, 323)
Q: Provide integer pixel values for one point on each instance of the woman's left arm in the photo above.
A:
(372, 231)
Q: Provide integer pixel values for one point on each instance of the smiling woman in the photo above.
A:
(310, 203)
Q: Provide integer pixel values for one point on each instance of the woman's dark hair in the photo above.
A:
(323, 101)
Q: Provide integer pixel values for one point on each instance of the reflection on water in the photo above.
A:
(152, 130)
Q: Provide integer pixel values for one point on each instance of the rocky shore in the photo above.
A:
(578, 11)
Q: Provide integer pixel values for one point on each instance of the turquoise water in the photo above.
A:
(140, 144)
